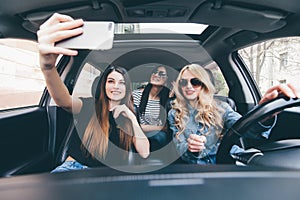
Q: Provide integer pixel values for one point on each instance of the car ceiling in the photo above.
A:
(245, 20)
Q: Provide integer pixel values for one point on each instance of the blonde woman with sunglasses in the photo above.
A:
(198, 121)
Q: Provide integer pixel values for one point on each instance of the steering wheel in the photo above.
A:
(237, 131)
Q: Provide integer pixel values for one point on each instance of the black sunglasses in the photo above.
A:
(160, 73)
(194, 81)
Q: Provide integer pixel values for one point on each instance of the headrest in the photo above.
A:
(95, 90)
(228, 100)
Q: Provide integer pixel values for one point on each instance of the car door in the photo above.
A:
(28, 127)
(274, 62)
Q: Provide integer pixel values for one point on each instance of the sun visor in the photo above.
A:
(235, 16)
(101, 12)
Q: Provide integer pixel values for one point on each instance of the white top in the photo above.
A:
(151, 115)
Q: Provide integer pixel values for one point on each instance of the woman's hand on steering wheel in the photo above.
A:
(288, 90)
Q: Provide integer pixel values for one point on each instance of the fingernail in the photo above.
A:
(292, 95)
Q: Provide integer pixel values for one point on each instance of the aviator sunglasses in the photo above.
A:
(160, 74)
(194, 82)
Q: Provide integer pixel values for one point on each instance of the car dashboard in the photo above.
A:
(172, 182)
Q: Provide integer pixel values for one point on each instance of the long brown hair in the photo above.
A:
(96, 135)
(209, 113)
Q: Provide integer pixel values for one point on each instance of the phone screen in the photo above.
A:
(96, 35)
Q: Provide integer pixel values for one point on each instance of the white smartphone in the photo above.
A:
(96, 35)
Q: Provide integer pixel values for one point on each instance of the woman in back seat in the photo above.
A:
(151, 108)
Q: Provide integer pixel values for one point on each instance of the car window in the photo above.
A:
(22, 82)
(274, 61)
(217, 79)
(167, 28)
(85, 80)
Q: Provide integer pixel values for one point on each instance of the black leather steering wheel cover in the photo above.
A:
(239, 128)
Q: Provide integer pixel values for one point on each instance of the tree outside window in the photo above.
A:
(274, 61)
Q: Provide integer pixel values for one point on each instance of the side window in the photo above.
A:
(22, 82)
(85, 80)
(274, 61)
(217, 79)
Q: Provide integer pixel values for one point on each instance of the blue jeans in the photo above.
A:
(68, 166)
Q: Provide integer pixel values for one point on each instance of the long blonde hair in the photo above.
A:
(96, 136)
(209, 113)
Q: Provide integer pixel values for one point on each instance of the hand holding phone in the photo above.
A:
(95, 36)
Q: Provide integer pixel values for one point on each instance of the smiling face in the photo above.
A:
(190, 89)
(115, 86)
(159, 77)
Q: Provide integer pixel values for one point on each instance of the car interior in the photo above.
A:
(35, 139)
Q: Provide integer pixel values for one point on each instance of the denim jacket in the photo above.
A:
(208, 155)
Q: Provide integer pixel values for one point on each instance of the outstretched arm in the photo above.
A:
(56, 28)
